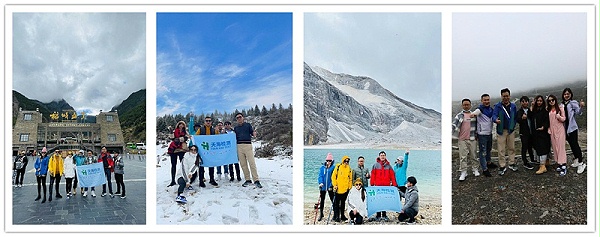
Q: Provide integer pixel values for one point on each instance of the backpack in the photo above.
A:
(19, 163)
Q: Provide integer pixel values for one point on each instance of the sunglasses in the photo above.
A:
(238, 117)
(358, 185)
(207, 120)
(551, 100)
(328, 161)
(193, 149)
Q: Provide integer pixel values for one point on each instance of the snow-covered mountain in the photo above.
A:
(346, 109)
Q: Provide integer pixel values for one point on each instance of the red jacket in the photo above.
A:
(382, 174)
(109, 161)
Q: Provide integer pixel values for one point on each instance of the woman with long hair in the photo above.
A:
(541, 138)
(573, 108)
(556, 115)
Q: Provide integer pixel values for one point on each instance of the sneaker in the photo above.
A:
(58, 196)
(123, 196)
(581, 168)
(118, 193)
(513, 168)
(93, 193)
(190, 188)
(239, 179)
(487, 173)
(528, 166)
(181, 199)
(112, 195)
(231, 179)
(411, 223)
(85, 194)
(103, 194)
(171, 184)
(563, 172)
(492, 165)
(476, 173)
(248, 182)
(558, 169)
(257, 184)
(501, 171)
(213, 183)
(218, 177)
(576, 163)
(463, 175)
(68, 197)
(385, 218)
(202, 185)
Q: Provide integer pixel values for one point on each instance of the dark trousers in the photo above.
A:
(339, 205)
(120, 183)
(69, 183)
(322, 196)
(211, 173)
(174, 164)
(409, 214)
(19, 177)
(75, 182)
(381, 214)
(237, 170)
(573, 143)
(55, 179)
(527, 147)
(181, 183)
(107, 173)
(358, 218)
(41, 182)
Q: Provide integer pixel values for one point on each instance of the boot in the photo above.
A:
(321, 215)
(541, 170)
(38, 197)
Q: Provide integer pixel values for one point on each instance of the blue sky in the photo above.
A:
(222, 61)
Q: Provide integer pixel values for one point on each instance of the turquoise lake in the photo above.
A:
(425, 165)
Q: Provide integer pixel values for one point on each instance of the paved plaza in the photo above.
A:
(79, 210)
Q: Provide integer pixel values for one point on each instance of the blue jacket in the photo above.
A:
(79, 160)
(499, 113)
(325, 176)
(41, 166)
(400, 171)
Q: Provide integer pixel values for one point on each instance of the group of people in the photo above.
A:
(544, 126)
(56, 166)
(342, 183)
(187, 165)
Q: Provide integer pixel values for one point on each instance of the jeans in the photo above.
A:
(107, 173)
(120, 183)
(485, 150)
(573, 143)
(409, 214)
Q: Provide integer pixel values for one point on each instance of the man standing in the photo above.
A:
(465, 125)
(382, 174)
(108, 164)
(361, 172)
(484, 115)
(504, 116)
(525, 133)
(207, 129)
(243, 134)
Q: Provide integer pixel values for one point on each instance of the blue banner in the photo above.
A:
(90, 175)
(382, 198)
(217, 150)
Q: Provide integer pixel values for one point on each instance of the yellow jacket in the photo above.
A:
(56, 165)
(342, 178)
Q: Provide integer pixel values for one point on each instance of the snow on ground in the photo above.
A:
(230, 203)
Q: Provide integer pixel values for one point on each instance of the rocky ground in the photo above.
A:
(521, 197)
(429, 214)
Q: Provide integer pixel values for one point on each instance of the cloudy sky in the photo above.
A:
(401, 51)
(223, 61)
(491, 51)
(92, 60)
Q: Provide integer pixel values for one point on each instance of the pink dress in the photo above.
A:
(557, 135)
